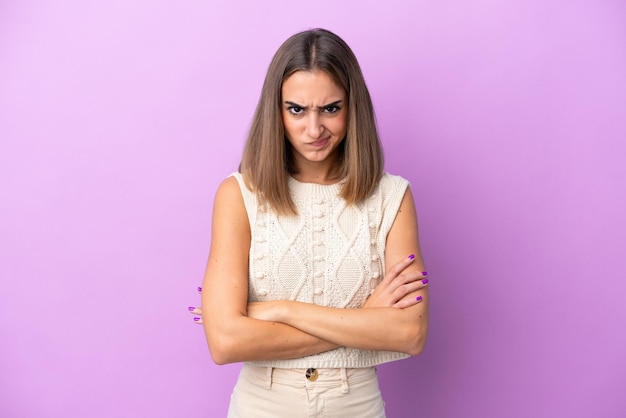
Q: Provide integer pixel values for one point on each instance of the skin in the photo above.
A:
(394, 317)
(315, 116)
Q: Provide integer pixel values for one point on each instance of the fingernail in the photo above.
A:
(419, 298)
(199, 289)
(191, 308)
(424, 273)
(196, 319)
(412, 256)
(425, 281)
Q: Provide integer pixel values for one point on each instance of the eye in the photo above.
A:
(295, 110)
(331, 109)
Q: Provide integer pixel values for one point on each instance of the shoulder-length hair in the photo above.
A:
(267, 160)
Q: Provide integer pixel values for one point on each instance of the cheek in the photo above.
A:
(290, 129)
(287, 126)
(341, 125)
(290, 125)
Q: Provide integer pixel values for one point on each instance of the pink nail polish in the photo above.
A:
(199, 289)
(412, 256)
(425, 281)
(419, 298)
(191, 308)
(196, 319)
(424, 273)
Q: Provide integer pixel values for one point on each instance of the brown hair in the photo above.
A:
(267, 150)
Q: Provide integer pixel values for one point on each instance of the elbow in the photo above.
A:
(416, 342)
(218, 355)
(222, 345)
(221, 351)
(224, 340)
(219, 359)
(416, 348)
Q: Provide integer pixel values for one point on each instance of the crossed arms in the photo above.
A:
(394, 317)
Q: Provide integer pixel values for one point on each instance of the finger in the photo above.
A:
(419, 282)
(399, 267)
(194, 310)
(391, 292)
(408, 302)
(198, 320)
(398, 288)
(408, 288)
(409, 277)
(199, 289)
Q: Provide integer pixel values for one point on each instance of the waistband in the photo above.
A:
(301, 378)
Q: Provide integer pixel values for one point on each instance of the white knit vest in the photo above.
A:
(331, 254)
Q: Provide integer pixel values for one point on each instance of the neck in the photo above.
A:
(316, 174)
(322, 172)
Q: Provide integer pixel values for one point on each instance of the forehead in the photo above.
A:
(311, 87)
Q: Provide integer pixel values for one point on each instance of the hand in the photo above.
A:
(196, 311)
(396, 286)
(256, 310)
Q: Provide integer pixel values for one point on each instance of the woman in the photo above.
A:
(315, 274)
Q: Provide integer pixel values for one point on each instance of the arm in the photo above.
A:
(374, 328)
(232, 336)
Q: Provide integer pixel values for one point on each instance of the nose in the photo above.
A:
(314, 127)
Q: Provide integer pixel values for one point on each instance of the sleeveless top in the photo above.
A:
(330, 254)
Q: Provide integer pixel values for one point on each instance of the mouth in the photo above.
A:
(320, 142)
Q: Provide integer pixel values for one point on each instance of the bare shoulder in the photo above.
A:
(403, 238)
(406, 217)
(407, 206)
(229, 210)
(228, 196)
(228, 189)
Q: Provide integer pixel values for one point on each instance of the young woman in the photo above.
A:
(315, 274)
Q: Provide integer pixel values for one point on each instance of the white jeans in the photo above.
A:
(266, 392)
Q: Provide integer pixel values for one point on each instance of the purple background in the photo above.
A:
(119, 119)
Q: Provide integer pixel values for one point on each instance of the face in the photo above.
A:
(315, 114)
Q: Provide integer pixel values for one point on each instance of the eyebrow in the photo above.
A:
(335, 103)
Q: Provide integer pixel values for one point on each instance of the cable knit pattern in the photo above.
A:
(331, 254)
